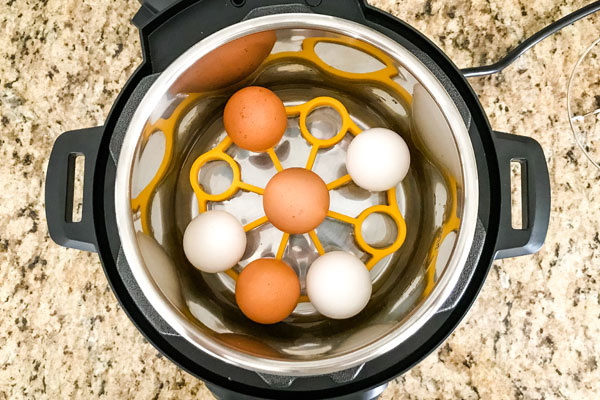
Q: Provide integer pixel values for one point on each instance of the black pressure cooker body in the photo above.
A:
(168, 29)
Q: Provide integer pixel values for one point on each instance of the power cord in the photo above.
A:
(532, 41)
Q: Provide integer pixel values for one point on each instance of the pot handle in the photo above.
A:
(535, 195)
(59, 188)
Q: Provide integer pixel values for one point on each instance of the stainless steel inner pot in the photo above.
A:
(438, 199)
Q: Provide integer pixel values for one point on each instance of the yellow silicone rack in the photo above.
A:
(383, 78)
(302, 111)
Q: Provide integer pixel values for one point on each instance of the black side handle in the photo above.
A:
(59, 188)
(535, 192)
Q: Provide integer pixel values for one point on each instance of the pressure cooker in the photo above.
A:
(137, 200)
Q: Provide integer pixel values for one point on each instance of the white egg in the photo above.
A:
(338, 285)
(214, 241)
(377, 159)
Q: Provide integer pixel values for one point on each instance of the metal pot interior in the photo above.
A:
(380, 86)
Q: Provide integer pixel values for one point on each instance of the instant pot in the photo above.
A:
(380, 72)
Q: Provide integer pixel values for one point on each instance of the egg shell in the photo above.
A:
(377, 159)
(267, 290)
(227, 64)
(338, 285)
(296, 200)
(255, 118)
(214, 241)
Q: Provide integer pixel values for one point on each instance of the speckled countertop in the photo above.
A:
(534, 332)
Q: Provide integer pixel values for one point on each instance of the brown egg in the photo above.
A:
(255, 118)
(267, 290)
(227, 64)
(296, 200)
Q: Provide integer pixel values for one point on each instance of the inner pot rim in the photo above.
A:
(418, 317)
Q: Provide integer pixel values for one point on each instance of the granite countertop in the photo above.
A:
(534, 332)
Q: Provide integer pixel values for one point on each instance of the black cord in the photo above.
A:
(531, 41)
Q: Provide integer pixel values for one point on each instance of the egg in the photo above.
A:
(296, 200)
(338, 285)
(377, 159)
(227, 64)
(255, 118)
(214, 241)
(267, 290)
